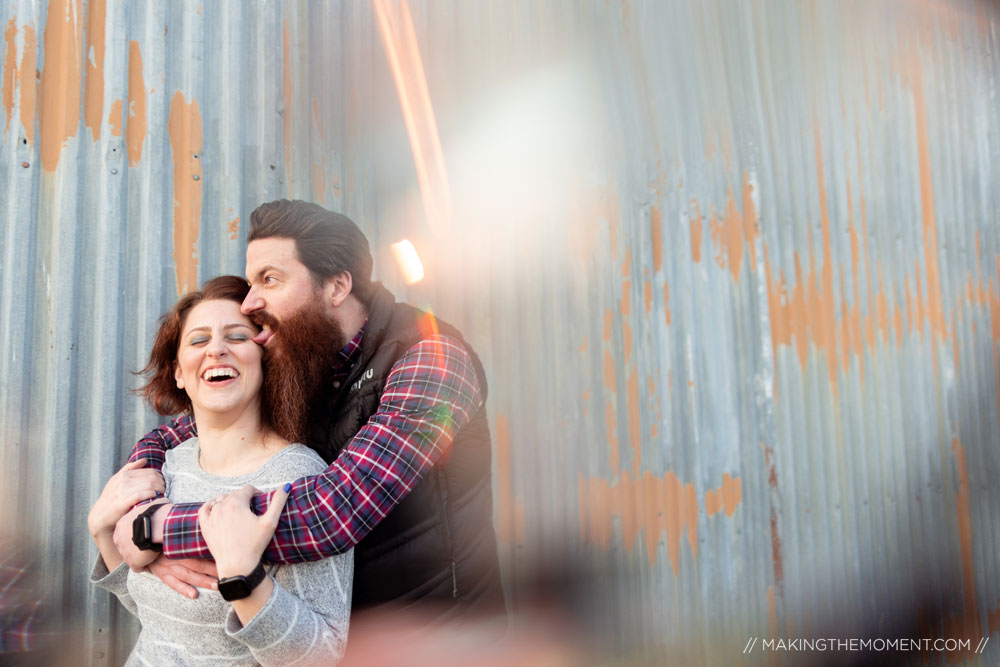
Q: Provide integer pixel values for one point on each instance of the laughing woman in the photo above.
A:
(204, 360)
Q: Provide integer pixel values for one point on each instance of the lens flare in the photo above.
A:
(408, 261)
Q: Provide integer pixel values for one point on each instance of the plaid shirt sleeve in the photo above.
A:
(430, 393)
(154, 445)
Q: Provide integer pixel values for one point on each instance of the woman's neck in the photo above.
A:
(234, 445)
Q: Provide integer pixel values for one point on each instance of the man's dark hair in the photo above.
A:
(327, 243)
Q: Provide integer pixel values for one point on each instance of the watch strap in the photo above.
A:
(142, 532)
(241, 586)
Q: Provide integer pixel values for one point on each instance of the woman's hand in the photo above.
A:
(234, 534)
(126, 487)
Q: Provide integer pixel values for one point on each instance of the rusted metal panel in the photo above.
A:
(732, 269)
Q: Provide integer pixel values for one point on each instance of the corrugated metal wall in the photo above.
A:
(733, 268)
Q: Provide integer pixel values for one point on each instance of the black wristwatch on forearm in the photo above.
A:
(239, 587)
(142, 530)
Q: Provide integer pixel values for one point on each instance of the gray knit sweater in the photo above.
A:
(304, 621)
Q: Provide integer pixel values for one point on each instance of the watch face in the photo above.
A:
(234, 588)
(138, 534)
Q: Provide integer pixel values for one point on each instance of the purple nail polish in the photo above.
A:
(288, 487)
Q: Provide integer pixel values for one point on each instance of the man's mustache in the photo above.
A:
(262, 319)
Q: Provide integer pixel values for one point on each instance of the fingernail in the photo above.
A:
(288, 487)
(157, 493)
(215, 586)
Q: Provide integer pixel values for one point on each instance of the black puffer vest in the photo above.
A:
(438, 545)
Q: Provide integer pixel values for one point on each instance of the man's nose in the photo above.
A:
(252, 302)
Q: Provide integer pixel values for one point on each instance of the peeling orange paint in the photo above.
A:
(666, 302)
(647, 293)
(609, 371)
(316, 120)
(966, 624)
(993, 618)
(115, 118)
(59, 113)
(964, 520)
(735, 229)
(777, 562)
(510, 512)
(927, 207)
(29, 82)
(726, 497)
(608, 320)
(610, 417)
(822, 312)
(656, 506)
(93, 101)
(611, 424)
(135, 123)
(23, 78)
(772, 613)
(634, 432)
(233, 228)
(185, 129)
(656, 237)
(318, 178)
(9, 71)
(696, 233)
(807, 313)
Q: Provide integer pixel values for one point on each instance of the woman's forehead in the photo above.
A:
(216, 312)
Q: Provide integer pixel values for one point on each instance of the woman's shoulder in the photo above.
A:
(183, 454)
(296, 459)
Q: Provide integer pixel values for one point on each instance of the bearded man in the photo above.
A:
(391, 397)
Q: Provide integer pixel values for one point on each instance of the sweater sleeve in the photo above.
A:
(306, 618)
(114, 582)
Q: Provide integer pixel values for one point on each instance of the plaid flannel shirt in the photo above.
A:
(430, 393)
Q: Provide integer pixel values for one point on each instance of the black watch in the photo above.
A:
(239, 587)
(142, 530)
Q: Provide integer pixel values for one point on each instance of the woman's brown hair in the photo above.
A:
(161, 390)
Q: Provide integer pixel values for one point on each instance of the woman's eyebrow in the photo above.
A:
(226, 327)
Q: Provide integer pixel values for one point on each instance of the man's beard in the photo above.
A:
(297, 367)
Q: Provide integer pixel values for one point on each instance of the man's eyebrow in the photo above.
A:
(264, 269)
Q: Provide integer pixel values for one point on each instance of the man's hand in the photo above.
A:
(134, 482)
(137, 560)
(235, 535)
(186, 574)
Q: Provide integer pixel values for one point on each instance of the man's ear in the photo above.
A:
(338, 288)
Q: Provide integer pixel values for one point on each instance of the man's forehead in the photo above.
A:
(271, 253)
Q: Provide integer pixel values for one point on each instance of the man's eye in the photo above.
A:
(270, 280)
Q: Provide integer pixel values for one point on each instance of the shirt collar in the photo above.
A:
(350, 352)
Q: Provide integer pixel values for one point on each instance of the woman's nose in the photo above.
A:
(216, 348)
